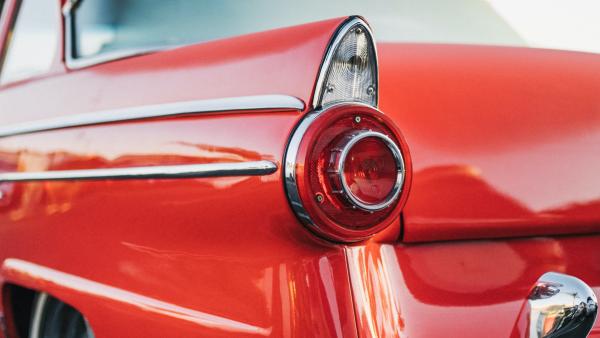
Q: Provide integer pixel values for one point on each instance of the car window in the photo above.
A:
(112, 26)
(32, 41)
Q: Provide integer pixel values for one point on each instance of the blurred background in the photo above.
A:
(559, 24)
(103, 27)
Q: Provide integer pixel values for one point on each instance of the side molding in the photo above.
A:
(233, 104)
(255, 168)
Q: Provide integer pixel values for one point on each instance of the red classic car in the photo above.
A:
(258, 169)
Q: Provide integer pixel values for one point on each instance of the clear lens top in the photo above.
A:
(352, 72)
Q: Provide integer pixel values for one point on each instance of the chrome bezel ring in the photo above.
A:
(347, 145)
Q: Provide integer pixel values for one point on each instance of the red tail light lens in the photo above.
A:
(369, 169)
(370, 172)
(346, 169)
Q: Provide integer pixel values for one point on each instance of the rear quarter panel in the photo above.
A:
(219, 257)
(504, 140)
(460, 288)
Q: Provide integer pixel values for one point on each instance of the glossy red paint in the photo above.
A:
(287, 62)
(459, 289)
(504, 140)
(218, 257)
(214, 257)
(226, 257)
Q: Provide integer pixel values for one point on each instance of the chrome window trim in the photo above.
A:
(349, 24)
(241, 103)
(68, 35)
(78, 63)
(252, 168)
(73, 63)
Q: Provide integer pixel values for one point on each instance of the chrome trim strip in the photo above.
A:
(242, 103)
(333, 44)
(255, 168)
(78, 63)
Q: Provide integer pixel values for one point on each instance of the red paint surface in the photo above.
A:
(218, 257)
(459, 289)
(225, 247)
(488, 128)
(287, 62)
(504, 141)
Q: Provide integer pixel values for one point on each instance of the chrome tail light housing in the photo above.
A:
(347, 169)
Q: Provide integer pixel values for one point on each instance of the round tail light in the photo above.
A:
(347, 172)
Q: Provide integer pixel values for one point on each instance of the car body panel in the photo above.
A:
(460, 289)
(504, 141)
(219, 257)
(286, 63)
(226, 256)
(227, 247)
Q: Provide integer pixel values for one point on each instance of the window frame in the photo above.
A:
(70, 40)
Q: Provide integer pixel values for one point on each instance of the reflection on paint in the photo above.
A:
(119, 295)
(375, 295)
